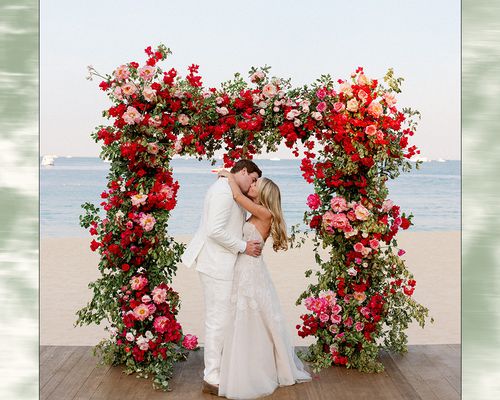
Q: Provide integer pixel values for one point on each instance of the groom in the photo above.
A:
(214, 249)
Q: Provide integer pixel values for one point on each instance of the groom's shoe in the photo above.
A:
(209, 388)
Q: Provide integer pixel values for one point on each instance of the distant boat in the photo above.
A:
(48, 160)
(441, 160)
(274, 159)
(419, 158)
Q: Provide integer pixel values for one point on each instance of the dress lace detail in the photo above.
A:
(258, 354)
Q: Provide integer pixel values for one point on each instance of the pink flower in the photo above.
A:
(390, 99)
(365, 312)
(292, 114)
(362, 95)
(151, 308)
(348, 322)
(149, 93)
(374, 244)
(371, 130)
(361, 212)
(131, 116)
(351, 216)
(138, 282)
(143, 343)
(362, 79)
(352, 105)
(146, 299)
(339, 107)
(338, 204)
(122, 73)
(129, 224)
(141, 312)
(324, 317)
(160, 324)
(359, 326)
(375, 109)
(333, 328)
(398, 221)
(190, 342)
(321, 93)
(340, 221)
(335, 318)
(359, 296)
(387, 205)
(138, 199)
(183, 119)
(358, 247)
(155, 121)
(336, 308)
(222, 110)
(313, 201)
(147, 222)
(128, 89)
(316, 115)
(401, 252)
(153, 148)
(269, 90)
(168, 191)
(352, 271)
(321, 107)
(147, 72)
(159, 295)
(257, 76)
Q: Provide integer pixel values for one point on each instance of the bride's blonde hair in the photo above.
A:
(270, 197)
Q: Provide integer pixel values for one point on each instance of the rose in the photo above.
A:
(160, 324)
(352, 271)
(389, 99)
(324, 317)
(129, 337)
(138, 199)
(348, 322)
(143, 343)
(313, 201)
(183, 119)
(348, 234)
(141, 312)
(222, 110)
(375, 109)
(117, 92)
(297, 122)
(219, 100)
(317, 116)
(131, 116)
(315, 222)
(362, 95)
(155, 121)
(147, 222)
(159, 295)
(138, 282)
(146, 299)
(359, 296)
(128, 89)
(148, 93)
(153, 148)
(371, 130)
(374, 244)
(387, 205)
(346, 88)
(338, 204)
(358, 247)
(339, 107)
(292, 114)
(359, 326)
(190, 342)
(352, 105)
(365, 312)
(321, 93)
(362, 79)
(335, 318)
(269, 90)
(257, 76)
(336, 308)
(401, 252)
(147, 72)
(361, 212)
(321, 107)
(122, 73)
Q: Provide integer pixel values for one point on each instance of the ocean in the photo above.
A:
(432, 193)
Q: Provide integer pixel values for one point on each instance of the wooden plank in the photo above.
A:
(400, 382)
(52, 363)
(72, 354)
(448, 363)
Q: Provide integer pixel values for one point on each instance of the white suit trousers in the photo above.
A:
(217, 295)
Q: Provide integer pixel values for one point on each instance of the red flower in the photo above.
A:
(104, 85)
(405, 223)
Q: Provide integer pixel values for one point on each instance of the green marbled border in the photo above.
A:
(480, 199)
(19, 237)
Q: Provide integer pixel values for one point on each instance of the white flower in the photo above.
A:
(149, 335)
(222, 110)
(297, 122)
(352, 271)
(219, 100)
(262, 112)
(129, 337)
(276, 109)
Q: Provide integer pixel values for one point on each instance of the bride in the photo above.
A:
(258, 355)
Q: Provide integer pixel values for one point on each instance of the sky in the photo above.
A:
(300, 40)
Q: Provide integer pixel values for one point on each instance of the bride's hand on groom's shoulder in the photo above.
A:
(223, 173)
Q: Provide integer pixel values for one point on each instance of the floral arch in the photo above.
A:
(354, 139)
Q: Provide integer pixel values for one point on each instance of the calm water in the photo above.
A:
(432, 193)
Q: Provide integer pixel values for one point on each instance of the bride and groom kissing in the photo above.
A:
(248, 348)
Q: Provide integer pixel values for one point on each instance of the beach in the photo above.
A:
(68, 265)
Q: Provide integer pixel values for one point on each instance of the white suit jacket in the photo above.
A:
(218, 240)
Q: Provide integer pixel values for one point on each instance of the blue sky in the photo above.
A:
(300, 40)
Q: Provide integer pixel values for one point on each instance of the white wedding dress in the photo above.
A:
(258, 354)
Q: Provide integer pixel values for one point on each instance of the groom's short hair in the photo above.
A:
(249, 165)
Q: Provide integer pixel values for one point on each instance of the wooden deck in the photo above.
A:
(426, 372)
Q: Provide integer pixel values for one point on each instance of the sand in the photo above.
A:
(68, 265)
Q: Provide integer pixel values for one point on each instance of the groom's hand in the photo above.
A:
(253, 248)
